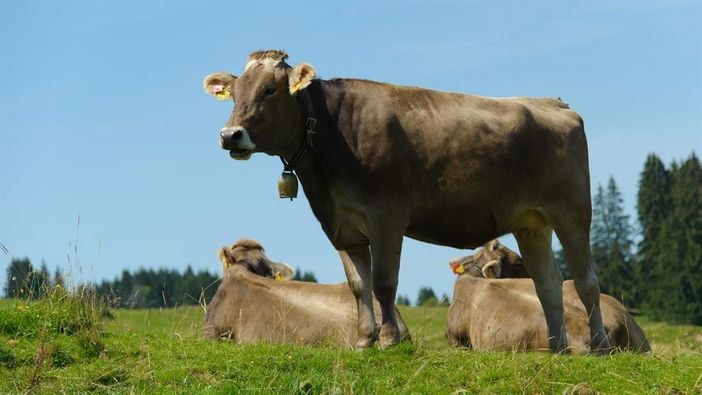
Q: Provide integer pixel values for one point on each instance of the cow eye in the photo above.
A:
(268, 92)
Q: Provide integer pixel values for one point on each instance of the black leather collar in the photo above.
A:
(310, 133)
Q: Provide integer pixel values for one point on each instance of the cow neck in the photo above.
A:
(315, 172)
(288, 183)
(310, 134)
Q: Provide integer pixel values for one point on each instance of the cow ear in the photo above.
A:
(492, 269)
(220, 85)
(282, 271)
(226, 258)
(512, 258)
(301, 77)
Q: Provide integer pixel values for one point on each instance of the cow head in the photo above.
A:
(267, 116)
(493, 261)
(250, 254)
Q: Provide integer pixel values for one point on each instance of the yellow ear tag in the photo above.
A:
(278, 276)
(458, 269)
(224, 95)
(296, 87)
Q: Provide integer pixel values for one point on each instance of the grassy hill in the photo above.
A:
(148, 351)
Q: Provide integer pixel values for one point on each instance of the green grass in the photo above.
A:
(148, 351)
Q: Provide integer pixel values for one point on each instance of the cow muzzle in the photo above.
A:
(237, 141)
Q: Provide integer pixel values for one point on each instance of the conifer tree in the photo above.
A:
(426, 297)
(18, 278)
(611, 241)
(58, 279)
(653, 207)
(43, 281)
(305, 276)
(402, 301)
(679, 288)
(687, 208)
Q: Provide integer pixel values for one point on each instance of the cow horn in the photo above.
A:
(492, 269)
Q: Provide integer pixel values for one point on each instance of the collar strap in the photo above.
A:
(310, 134)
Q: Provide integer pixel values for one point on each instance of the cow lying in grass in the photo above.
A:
(251, 306)
(491, 311)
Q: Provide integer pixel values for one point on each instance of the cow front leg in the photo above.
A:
(357, 265)
(386, 247)
(535, 248)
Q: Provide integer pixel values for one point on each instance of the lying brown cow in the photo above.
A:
(250, 306)
(380, 161)
(504, 313)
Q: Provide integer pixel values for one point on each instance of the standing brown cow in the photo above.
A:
(379, 161)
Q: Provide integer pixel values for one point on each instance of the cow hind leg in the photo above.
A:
(357, 265)
(385, 251)
(575, 239)
(535, 247)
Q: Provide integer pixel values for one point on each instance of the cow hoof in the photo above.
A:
(600, 351)
(383, 344)
(389, 336)
(364, 344)
(601, 347)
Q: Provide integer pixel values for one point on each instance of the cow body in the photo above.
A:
(248, 308)
(505, 314)
(419, 152)
(445, 168)
(251, 304)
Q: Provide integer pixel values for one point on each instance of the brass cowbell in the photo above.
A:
(287, 185)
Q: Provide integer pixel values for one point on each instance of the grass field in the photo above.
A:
(147, 351)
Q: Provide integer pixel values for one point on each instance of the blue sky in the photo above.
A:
(102, 116)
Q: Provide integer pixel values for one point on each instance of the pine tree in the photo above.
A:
(19, 277)
(403, 301)
(611, 240)
(681, 260)
(43, 280)
(445, 300)
(59, 282)
(426, 297)
(305, 276)
(125, 288)
(687, 205)
(210, 284)
(653, 206)
(192, 288)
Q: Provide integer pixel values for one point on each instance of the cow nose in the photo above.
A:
(228, 137)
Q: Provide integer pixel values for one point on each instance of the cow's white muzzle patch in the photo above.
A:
(237, 141)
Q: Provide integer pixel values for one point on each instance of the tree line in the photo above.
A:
(425, 297)
(142, 288)
(24, 281)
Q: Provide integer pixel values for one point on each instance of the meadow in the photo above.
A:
(64, 345)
